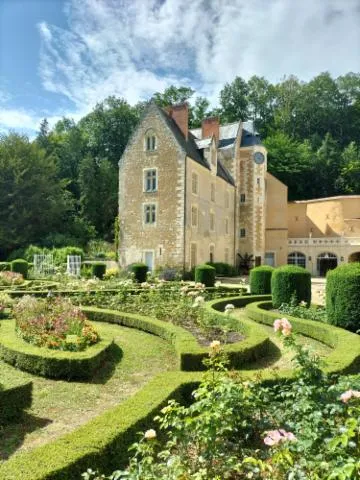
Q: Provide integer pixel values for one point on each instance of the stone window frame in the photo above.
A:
(193, 264)
(274, 257)
(145, 223)
(150, 141)
(149, 169)
(212, 224)
(227, 225)
(212, 252)
(193, 208)
(213, 192)
(227, 199)
(242, 232)
(195, 175)
(242, 198)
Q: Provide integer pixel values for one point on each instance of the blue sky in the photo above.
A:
(60, 57)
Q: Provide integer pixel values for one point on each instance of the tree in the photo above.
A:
(33, 201)
(350, 172)
(261, 99)
(327, 169)
(199, 112)
(234, 101)
(107, 129)
(287, 95)
(173, 95)
(42, 138)
(291, 162)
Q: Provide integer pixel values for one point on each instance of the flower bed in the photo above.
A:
(53, 323)
(9, 279)
(52, 363)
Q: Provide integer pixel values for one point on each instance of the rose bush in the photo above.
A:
(53, 323)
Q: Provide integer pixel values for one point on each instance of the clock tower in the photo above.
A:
(251, 164)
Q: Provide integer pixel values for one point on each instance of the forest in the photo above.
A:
(61, 187)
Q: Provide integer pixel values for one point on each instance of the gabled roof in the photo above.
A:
(250, 136)
(223, 173)
(189, 145)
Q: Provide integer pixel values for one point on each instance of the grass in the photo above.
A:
(60, 406)
(281, 359)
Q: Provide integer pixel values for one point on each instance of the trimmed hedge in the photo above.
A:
(345, 358)
(101, 444)
(5, 266)
(205, 274)
(260, 280)
(20, 266)
(289, 280)
(343, 296)
(189, 352)
(13, 400)
(140, 271)
(52, 363)
(224, 269)
(98, 270)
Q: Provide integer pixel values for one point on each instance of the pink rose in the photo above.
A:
(346, 396)
(283, 325)
(274, 437)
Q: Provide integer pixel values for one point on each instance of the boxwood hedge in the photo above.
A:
(205, 274)
(290, 280)
(260, 280)
(52, 363)
(343, 296)
(13, 400)
(190, 354)
(20, 266)
(345, 357)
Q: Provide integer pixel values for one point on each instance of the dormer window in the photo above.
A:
(150, 142)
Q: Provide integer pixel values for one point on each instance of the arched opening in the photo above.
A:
(297, 258)
(326, 261)
(354, 257)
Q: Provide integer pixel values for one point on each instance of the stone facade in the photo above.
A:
(210, 196)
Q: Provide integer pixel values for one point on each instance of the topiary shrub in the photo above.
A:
(98, 270)
(224, 269)
(20, 266)
(343, 296)
(260, 280)
(290, 281)
(139, 270)
(205, 274)
(4, 266)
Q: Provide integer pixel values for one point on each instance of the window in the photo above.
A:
(150, 213)
(242, 198)
(150, 143)
(194, 216)
(150, 180)
(227, 199)
(212, 221)
(193, 255)
(269, 259)
(212, 192)
(242, 233)
(226, 226)
(226, 255)
(212, 253)
(258, 180)
(195, 183)
(297, 258)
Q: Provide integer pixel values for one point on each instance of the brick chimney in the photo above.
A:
(180, 115)
(210, 126)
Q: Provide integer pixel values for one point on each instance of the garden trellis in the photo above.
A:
(73, 265)
(44, 264)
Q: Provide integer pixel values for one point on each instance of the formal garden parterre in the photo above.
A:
(199, 327)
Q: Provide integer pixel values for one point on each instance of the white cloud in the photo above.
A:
(134, 48)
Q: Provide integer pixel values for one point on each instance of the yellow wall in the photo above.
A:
(336, 216)
(276, 231)
(202, 235)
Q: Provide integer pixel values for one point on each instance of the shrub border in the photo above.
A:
(13, 400)
(190, 354)
(345, 357)
(52, 363)
(103, 442)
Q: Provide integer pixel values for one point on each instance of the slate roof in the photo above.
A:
(223, 173)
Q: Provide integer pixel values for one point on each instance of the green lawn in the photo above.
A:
(60, 406)
(281, 359)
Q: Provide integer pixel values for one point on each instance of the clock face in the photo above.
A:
(259, 158)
